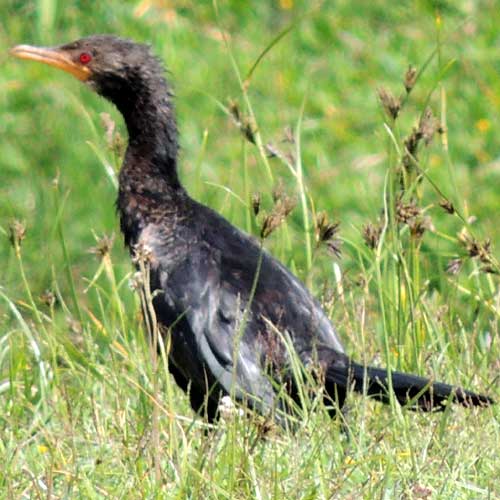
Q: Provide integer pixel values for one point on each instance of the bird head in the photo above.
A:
(130, 76)
(109, 64)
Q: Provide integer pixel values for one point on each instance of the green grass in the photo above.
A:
(77, 384)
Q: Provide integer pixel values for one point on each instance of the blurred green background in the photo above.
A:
(334, 58)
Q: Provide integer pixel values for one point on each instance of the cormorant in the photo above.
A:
(227, 336)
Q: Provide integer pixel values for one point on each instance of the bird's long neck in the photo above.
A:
(149, 187)
(148, 111)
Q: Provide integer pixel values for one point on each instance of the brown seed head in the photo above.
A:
(371, 235)
(48, 298)
(475, 248)
(406, 212)
(243, 123)
(391, 104)
(103, 246)
(142, 254)
(447, 206)
(256, 203)
(419, 225)
(281, 211)
(17, 233)
(248, 130)
(411, 142)
(327, 232)
(234, 110)
(428, 126)
(410, 78)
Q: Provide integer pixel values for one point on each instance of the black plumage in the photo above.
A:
(227, 336)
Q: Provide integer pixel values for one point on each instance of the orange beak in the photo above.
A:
(53, 57)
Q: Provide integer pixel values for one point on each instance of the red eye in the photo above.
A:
(85, 58)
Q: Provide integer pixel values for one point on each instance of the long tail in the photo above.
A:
(411, 390)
